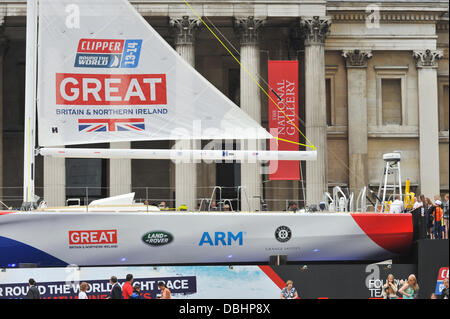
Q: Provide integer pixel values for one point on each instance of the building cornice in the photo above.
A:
(210, 8)
(393, 6)
(390, 17)
(338, 11)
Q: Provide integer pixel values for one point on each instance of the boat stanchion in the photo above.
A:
(277, 260)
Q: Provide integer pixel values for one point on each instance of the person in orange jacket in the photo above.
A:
(437, 214)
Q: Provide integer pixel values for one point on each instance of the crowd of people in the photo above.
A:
(130, 291)
(390, 290)
(126, 291)
(436, 215)
(408, 289)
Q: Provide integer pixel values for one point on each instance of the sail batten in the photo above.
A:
(108, 76)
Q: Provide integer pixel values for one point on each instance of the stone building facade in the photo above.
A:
(373, 79)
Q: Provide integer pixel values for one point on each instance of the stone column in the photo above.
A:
(3, 49)
(119, 172)
(428, 121)
(248, 31)
(186, 173)
(315, 30)
(55, 181)
(356, 63)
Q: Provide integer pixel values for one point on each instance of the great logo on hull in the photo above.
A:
(105, 238)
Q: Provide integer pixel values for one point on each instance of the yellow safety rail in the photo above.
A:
(409, 199)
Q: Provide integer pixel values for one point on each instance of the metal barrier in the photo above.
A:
(151, 195)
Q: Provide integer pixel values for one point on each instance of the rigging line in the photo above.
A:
(223, 36)
(251, 76)
(292, 142)
(358, 177)
(261, 78)
(234, 49)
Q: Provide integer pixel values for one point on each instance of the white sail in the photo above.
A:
(105, 75)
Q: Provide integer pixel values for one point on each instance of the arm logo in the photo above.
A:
(222, 239)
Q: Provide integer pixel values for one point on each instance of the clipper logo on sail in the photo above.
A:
(107, 53)
(110, 89)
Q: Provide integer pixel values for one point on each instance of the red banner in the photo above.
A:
(283, 119)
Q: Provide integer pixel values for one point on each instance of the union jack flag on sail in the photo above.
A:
(110, 125)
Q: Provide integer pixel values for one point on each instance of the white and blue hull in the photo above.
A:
(154, 238)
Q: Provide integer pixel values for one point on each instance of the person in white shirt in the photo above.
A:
(389, 290)
(397, 205)
(83, 288)
(419, 202)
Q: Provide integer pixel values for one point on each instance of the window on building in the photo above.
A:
(391, 95)
(86, 179)
(328, 100)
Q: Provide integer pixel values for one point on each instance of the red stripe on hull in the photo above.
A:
(393, 232)
(273, 276)
(5, 212)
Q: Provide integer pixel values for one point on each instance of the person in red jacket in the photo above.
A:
(127, 288)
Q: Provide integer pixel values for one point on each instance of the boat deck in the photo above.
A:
(154, 209)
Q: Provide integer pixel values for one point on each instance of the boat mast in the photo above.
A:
(30, 106)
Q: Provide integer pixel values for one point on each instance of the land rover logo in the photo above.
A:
(283, 234)
(157, 238)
